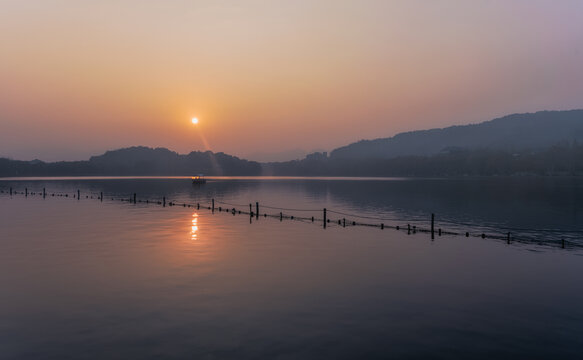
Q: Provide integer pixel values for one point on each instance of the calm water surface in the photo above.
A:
(85, 279)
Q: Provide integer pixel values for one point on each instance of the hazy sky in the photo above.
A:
(81, 77)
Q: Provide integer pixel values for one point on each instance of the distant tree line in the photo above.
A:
(561, 159)
(136, 161)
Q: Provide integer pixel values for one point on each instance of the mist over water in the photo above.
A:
(90, 279)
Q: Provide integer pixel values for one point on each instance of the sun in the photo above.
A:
(194, 120)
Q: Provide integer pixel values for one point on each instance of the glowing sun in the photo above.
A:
(194, 120)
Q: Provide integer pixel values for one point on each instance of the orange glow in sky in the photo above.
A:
(272, 79)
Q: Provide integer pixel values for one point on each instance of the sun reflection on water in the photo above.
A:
(194, 227)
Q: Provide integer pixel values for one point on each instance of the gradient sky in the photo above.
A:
(269, 77)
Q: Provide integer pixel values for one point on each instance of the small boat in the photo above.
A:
(198, 179)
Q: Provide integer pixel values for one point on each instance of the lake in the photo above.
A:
(93, 278)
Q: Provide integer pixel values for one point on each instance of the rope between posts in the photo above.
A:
(456, 223)
(361, 216)
(288, 209)
(226, 203)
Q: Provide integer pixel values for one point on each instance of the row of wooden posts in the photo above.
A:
(256, 213)
(325, 219)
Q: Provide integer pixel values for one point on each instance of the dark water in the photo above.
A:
(90, 279)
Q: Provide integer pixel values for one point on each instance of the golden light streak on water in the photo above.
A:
(194, 227)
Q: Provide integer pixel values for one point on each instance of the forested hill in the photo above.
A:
(519, 132)
(138, 161)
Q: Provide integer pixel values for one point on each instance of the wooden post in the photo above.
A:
(101, 196)
(164, 201)
(280, 216)
(312, 219)
(44, 193)
(257, 210)
(11, 191)
(343, 222)
(197, 206)
(562, 243)
(134, 198)
(508, 238)
(439, 231)
(324, 218)
(25, 192)
(382, 226)
(432, 226)
(78, 194)
(408, 229)
(213, 206)
(250, 210)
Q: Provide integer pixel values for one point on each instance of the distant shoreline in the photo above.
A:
(281, 178)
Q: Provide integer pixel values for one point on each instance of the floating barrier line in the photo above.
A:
(410, 227)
